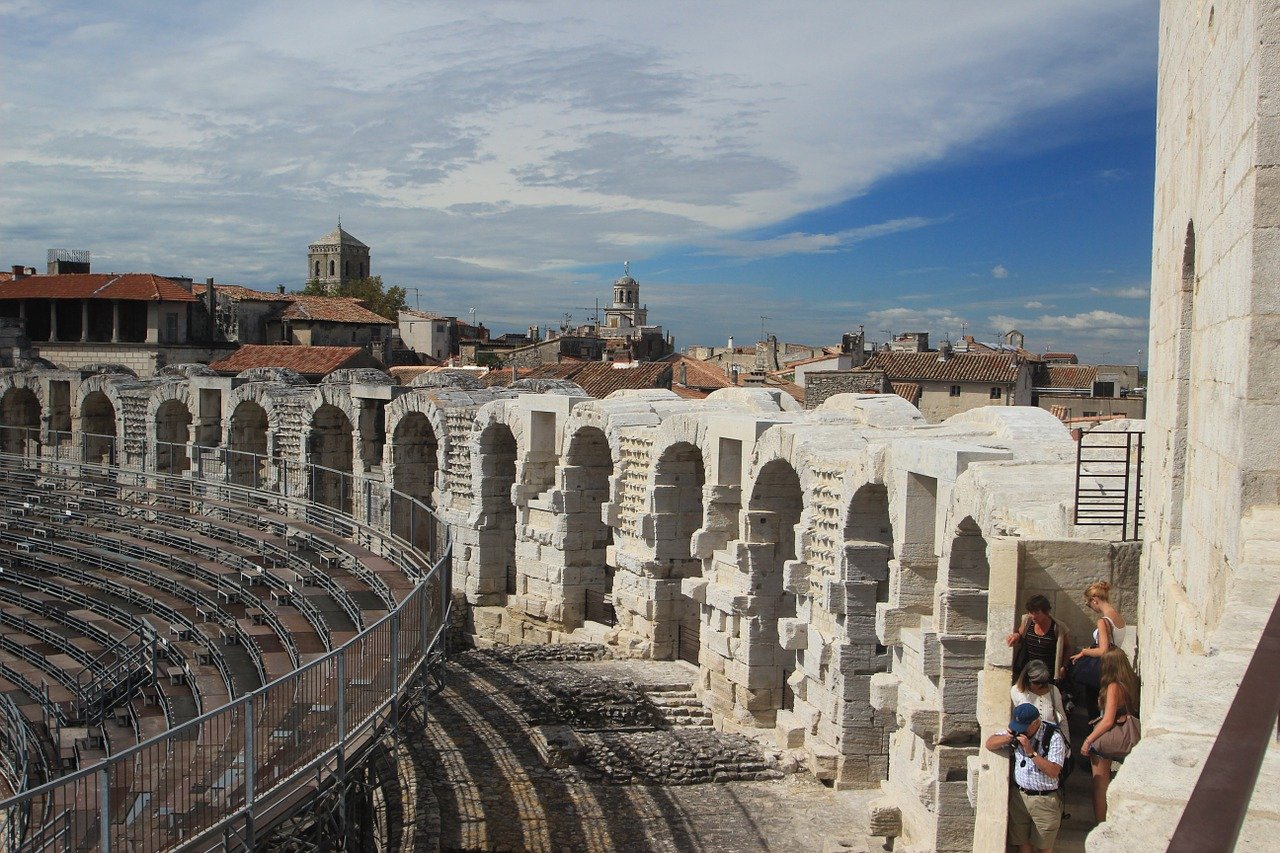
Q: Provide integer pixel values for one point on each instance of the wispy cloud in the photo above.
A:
(798, 243)
(999, 271)
(1135, 292)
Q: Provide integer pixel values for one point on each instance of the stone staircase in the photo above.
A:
(678, 705)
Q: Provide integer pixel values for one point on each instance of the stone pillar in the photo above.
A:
(53, 319)
(115, 321)
(84, 320)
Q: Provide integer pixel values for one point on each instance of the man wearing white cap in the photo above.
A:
(1035, 810)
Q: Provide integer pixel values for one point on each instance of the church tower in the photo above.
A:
(626, 312)
(337, 258)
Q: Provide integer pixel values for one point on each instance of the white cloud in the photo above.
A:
(522, 138)
(797, 243)
(1136, 292)
(999, 271)
(1097, 320)
(1035, 306)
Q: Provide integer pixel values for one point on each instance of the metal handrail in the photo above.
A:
(331, 705)
(1215, 813)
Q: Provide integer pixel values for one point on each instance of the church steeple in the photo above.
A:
(337, 258)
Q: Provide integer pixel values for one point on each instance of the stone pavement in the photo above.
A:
(634, 783)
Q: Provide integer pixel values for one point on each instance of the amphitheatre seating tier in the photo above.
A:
(235, 598)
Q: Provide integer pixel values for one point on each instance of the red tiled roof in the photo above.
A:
(131, 287)
(332, 309)
(1070, 376)
(1059, 356)
(961, 367)
(908, 391)
(309, 361)
(699, 375)
(236, 291)
(598, 378)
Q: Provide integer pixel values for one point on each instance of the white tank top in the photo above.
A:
(1117, 634)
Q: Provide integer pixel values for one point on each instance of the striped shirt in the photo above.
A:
(1026, 774)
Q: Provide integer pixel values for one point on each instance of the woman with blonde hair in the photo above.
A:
(1117, 731)
(1110, 631)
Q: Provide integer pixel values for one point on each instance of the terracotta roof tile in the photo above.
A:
(236, 291)
(309, 361)
(131, 287)
(698, 374)
(332, 309)
(961, 367)
(909, 391)
(1070, 376)
(598, 378)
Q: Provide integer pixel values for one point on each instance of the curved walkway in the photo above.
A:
(483, 751)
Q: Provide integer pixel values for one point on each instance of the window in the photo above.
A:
(955, 390)
(995, 393)
(331, 267)
(317, 275)
(1090, 414)
(440, 328)
(346, 268)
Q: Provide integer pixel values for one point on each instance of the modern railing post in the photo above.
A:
(395, 667)
(250, 758)
(104, 811)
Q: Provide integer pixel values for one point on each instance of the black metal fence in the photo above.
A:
(238, 763)
(1108, 489)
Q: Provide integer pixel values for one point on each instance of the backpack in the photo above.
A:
(1068, 765)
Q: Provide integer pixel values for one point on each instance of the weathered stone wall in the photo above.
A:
(819, 385)
(842, 577)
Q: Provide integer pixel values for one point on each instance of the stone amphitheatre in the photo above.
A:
(252, 611)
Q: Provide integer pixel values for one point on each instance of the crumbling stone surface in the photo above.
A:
(674, 757)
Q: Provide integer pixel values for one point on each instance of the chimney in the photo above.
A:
(684, 373)
(280, 289)
(731, 344)
(19, 271)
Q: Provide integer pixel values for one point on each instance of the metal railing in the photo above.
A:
(1108, 489)
(235, 767)
(1215, 813)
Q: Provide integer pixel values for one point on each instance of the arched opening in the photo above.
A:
(317, 273)
(774, 510)
(586, 474)
(497, 514)
(330, 455)
(962, 635)
(868, 541)
(679, 478)
(20, 416)
(414, 459)
(173, 432)
(331, 268)
(98, 427)
(248, 446)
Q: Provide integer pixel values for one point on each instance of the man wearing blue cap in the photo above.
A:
(1035, 810)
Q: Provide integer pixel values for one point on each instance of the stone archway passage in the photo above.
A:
(774, 510)
(415, 459)
(679, 478)
(20, 416)
(98, 427)
(248, 446)
(173, 432)
(497, 528)
(331, 449)
(587, 471)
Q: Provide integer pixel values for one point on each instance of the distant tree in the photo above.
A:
(384, 301)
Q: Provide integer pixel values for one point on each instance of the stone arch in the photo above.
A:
(330, 451)
(172, 420)
(868, 540)
(586, 480)
(249, 453)
(678, 495)
(495, 459)
(773, 515)
(98, 427)
(415, 461)
(20, 413)
(962, 640)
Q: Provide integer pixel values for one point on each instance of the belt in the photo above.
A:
(1031, 793)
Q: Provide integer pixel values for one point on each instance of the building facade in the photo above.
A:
(336, 258)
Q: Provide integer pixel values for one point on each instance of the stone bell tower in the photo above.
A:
(337, 258)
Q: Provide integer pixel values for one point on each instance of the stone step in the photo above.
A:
(679, 707)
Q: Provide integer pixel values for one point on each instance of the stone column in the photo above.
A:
(84, 320)
(53, 319)
(115, 321)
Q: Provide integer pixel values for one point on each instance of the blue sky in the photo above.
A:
(901, 166)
